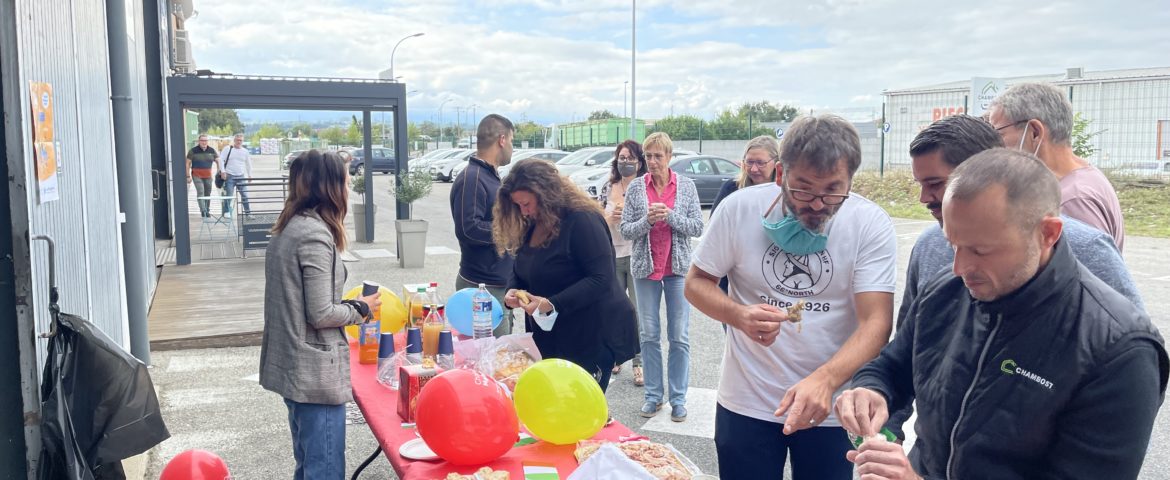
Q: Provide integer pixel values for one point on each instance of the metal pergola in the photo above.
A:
(280, 93)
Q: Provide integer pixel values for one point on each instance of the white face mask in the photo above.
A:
(1024, 136)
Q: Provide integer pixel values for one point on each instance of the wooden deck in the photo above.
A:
(208, 304)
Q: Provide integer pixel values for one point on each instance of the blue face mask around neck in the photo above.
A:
(792, 236)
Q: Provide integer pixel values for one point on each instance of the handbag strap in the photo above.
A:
(228, 160)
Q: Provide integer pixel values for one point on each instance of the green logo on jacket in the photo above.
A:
(1010, 367)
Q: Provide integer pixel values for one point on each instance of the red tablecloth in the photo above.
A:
(379, 405)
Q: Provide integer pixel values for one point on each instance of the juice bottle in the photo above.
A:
(431, 328)
(417, 303)
(369, 331)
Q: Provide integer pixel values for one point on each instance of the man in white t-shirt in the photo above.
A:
(804, 238)
(235, 166)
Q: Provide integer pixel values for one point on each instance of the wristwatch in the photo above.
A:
(360, 306)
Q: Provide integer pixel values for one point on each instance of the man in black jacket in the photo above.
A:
(1024, 364)
(473, 195)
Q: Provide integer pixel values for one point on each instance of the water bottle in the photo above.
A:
(481, 313)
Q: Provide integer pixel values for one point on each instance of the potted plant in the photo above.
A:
(412, 233)
(358, 185)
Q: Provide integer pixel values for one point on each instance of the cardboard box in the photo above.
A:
(411, 381)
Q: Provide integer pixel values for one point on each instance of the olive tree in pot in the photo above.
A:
(358, 185)
(412, 233)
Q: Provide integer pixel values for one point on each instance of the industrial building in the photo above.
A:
(1129, 111)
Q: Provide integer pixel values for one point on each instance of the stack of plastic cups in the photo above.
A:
(446, 357)
(387, 373)
(414, 347)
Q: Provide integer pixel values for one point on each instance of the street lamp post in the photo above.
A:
(473, 119)
(625, 92)
(395, 50)
(441, 120)
(633, 68)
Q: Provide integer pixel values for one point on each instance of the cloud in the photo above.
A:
(549, 59)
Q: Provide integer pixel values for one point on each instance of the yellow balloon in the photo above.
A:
(392, 313)
(560, 402)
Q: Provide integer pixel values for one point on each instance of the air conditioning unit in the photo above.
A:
(183, 60)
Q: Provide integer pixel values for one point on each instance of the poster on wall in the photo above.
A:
(44, 150)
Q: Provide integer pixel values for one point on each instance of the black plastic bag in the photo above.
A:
(98, 405)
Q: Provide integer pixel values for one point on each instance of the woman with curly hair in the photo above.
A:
(564, 274)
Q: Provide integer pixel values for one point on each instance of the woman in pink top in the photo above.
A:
(629, 164)
(660, 216)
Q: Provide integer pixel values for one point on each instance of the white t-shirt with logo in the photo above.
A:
(859, 257)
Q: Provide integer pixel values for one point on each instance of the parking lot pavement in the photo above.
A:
(211, 400)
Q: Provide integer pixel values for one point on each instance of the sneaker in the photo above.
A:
(649, 409)
(678, 413)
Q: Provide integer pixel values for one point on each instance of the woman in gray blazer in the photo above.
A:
(660, 216)
(304, 356)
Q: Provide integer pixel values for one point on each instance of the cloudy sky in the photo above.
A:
(556, 60)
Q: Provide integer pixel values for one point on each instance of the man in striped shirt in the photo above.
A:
(200, 159)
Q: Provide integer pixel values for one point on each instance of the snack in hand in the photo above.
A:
(522, 295)
(794, 313)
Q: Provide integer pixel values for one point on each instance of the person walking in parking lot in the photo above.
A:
(235, 166)
(630, 164)
(200, 159)
(473, 196)
(661, 216)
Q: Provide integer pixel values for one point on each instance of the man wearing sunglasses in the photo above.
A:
(1037, 118)
(800, 245)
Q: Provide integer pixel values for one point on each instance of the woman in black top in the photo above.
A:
(564, 268)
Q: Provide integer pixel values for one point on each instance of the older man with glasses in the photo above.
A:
(811, 299)
(1037, 118)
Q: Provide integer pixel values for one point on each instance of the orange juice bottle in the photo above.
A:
(417, 303)
(370, 331)
(431, 328)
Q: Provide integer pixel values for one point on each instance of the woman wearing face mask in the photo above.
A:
(564, 272)
(661, 216)
(629, 164)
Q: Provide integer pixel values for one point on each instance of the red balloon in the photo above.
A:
(466, 417)
(196, 465)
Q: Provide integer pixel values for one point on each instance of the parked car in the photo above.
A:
(442, 169)
(708, 172)
(423, 161)
(593, 178)
(584, 158)
(384, 161)
(289, 158)
(541, 153)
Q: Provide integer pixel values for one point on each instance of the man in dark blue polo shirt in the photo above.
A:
(473, 195)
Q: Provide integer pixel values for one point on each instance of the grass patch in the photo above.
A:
(1145, 206)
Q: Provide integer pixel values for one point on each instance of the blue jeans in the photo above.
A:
(750, 448)
(678, 313)
(318, 435)
(229, 187)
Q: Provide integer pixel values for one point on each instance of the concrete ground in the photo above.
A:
(211, 398)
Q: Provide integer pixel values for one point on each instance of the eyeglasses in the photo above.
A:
(808, 197)
(627, 159)
(1000, 128)
(756, 163)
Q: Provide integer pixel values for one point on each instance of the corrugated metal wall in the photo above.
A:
(1126, 113)
(64, 43)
